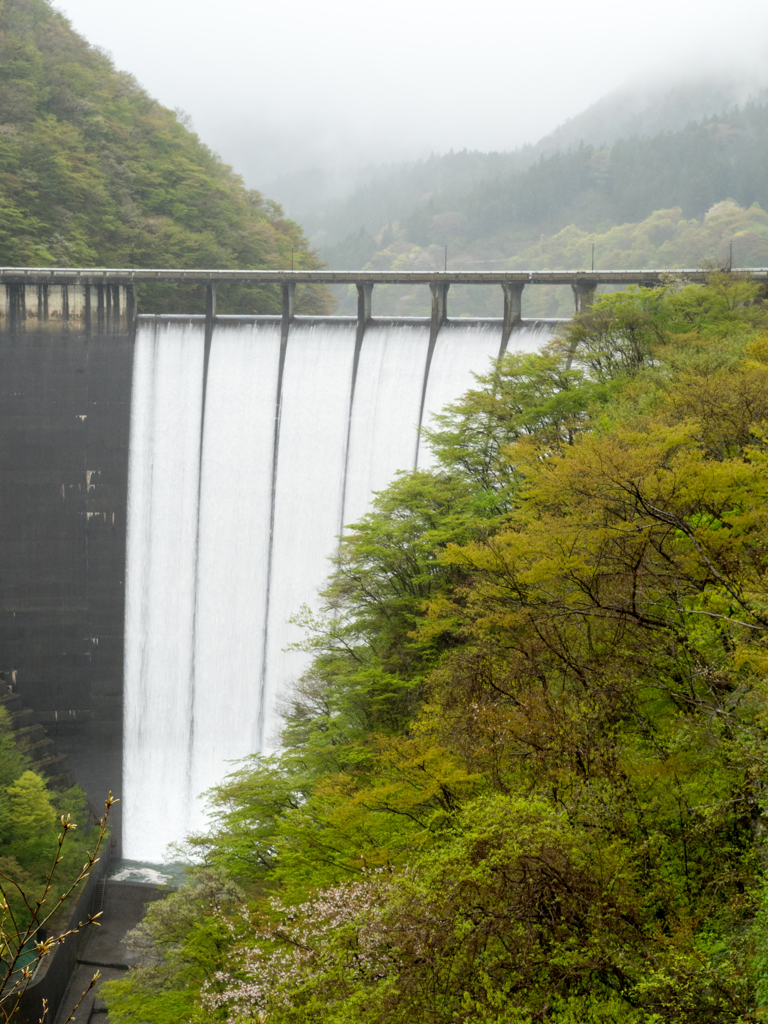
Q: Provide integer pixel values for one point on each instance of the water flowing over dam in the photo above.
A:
(230, 533)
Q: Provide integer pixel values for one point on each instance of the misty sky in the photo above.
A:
(275, 87)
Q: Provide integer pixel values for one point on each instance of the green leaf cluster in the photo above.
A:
(30, 816)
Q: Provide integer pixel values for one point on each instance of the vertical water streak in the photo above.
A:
(278, 406)
(210, 319)
(385, 412)
(310, 473)
(359, 337)
(236, 492)
(461, 350)
(160, 584)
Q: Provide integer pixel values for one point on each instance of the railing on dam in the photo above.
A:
(104, 299)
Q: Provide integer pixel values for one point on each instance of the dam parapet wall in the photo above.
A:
(101, 307)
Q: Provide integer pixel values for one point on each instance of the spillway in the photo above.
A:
(237, 494)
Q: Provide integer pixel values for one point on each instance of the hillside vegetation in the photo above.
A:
(463, 198)
(94, 172)
(524, 778)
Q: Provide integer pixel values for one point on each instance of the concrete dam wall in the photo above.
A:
(233, 513)
(66, 358)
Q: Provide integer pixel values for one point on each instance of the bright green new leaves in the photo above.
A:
(524, 396)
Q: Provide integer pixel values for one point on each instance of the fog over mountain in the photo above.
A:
(643, 107)
(278, 89)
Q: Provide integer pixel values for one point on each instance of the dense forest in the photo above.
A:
(524, 777)
(94, 172)
(334, 206)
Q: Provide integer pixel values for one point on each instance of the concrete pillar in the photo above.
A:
(130, 308)
(513, 310)
(42, 303)
(100, 308)
(116, 308)
(439, 305)
(439, 316)
(17, 308)
(583, 294)
(210, 318)
(289, 296)
(210, 311)
(364, 293)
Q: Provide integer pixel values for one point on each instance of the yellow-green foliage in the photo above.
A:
(30, 823)
(32, 813)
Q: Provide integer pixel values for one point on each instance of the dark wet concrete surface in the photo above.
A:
(124, 906)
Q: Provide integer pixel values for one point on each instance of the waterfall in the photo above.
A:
(160, 585)
(232, 577)
(308, 494)
(228, 538)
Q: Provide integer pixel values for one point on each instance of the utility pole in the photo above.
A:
(593, 257)
(730, 255)
(445, 265)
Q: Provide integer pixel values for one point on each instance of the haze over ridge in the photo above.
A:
(277, 90)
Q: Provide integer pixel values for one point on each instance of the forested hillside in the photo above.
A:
(494, 216)
(334, 206)
(524, 778)
(666, 240)
(94, 172)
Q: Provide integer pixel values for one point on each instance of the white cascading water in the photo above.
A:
(308, 494)
(385, 412)
(208, 592)
(233, 559)
(160, 585)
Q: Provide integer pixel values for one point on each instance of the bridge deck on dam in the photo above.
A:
(105, 299)
(96, 276)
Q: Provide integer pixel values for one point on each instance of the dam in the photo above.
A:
(173, 490)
